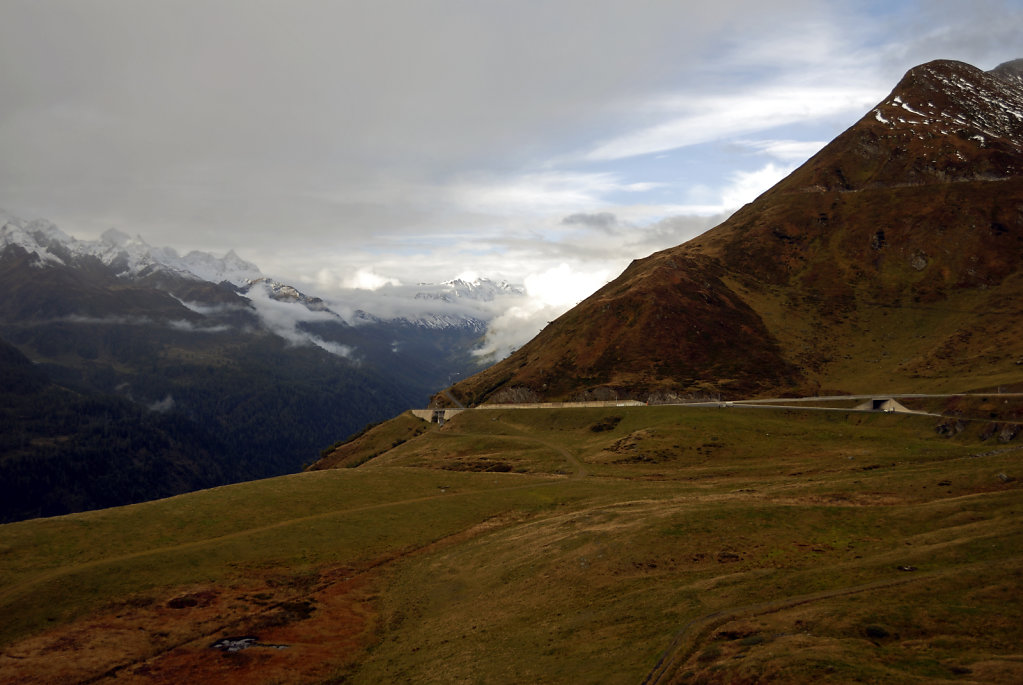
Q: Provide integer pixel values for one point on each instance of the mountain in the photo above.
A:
(64, 450)
(126, 256)
(891, 260)
(196, 367)
(479, 289)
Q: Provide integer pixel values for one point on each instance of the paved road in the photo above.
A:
(894, 396)
(792, 402)
(761, 403)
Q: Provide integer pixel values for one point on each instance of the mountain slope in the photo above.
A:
(890, 260)
(150, 380)
(62, 450)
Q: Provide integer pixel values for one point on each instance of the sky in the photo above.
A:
(378, 144)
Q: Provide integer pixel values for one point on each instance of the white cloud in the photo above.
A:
(367, 279)
(284, 319)
(746, 186)
(164, 405)
(549, 294)
(188, 326)
(563, 286)
(514, 327)
(534, 193)
(791, 151)
(687, 120)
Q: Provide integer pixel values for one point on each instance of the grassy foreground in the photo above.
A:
(648, 544)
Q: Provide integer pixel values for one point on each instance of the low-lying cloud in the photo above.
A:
(284, 319)
(120, 320)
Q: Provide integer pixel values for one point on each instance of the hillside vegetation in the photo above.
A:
(645, 544)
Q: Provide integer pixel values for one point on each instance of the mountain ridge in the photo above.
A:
(914, 212)
(126, 255)
(206, 380)
(135, 260)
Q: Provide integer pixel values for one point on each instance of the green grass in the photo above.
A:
(622, 534)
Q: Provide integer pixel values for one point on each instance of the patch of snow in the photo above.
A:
(131, 257)
(909, 109)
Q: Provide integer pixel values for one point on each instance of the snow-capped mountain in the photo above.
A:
(129, 257)
(220, 373)
(480, 289)
(282, 292)
(430, 320)
(457, 303)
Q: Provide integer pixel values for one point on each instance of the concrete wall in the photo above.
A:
(883, 404)
(565, 405)
(442, 415)
(435, 415)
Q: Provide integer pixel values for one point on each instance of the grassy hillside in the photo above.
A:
(576, 545)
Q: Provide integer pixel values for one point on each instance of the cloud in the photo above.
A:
(163, 406)
(676, 230)
(190, 327)
(534, 193)
(284, 319)
(983, 33)
(688, 120)
(374, 144)
(515, 327)
(790, 151)
(549, 294)
(415, 302)
(564, 286)
(602, 220)
(119, 320)
(116, 320)
(367, 279)
(746, 186)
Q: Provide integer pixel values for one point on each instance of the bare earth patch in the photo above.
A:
(314, 625)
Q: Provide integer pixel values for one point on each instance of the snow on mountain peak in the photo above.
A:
(230, 267)
(481, 289)
(128, 256)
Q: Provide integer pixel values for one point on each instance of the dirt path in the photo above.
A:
(578, 467)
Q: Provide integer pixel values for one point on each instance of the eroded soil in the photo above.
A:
(313, 624)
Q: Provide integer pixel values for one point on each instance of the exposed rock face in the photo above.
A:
(891, 257)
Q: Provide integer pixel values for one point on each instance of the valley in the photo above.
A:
(129, 373)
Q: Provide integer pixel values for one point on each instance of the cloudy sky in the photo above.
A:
(351, 143)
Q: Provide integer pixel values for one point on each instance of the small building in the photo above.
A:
(883, 404)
